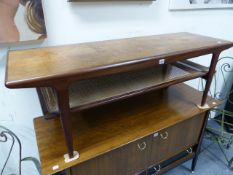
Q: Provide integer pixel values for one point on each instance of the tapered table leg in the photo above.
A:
(198, 147)
(210, 74)
(64, 108)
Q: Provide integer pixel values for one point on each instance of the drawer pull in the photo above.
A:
(157, 169)
(190, 150)
(155, 135)
(142, 146)
(164, 136)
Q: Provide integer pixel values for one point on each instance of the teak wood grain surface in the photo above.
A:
(100, 130)
(50, 66)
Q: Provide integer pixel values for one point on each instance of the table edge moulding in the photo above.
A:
(58, 67)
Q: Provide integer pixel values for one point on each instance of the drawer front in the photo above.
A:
(127, 160)
(175, 139)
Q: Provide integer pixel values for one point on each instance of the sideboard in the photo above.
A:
(146, 134)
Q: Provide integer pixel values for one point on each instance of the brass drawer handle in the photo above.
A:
(142, 146)
(164, 136)
(190, 150)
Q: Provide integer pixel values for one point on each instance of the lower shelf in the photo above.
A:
(93, 92)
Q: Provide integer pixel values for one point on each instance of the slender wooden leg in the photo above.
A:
(198, 147)
(165, 71)
(64, 108)
(210, 74)
(165, 74)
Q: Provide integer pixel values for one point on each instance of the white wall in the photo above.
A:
(84, 22)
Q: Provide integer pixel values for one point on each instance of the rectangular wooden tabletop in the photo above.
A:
(39, 67)
(102, 129)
